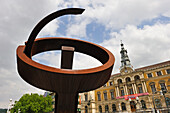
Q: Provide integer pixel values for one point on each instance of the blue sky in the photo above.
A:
(142, 25)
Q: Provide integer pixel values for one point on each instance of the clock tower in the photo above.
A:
(126, 66)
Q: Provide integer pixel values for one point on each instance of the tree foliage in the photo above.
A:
(33, 103)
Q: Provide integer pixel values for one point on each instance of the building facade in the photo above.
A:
(131, 90)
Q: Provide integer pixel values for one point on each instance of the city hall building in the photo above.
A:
(131, 90)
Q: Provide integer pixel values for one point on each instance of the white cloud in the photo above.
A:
(145, 46)
(50, 58)
(83, 61)
(118, 13)
(77, 29)
(50, 29)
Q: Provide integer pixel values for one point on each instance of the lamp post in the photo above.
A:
(162, 92)
(89, 102)
(10, 106)
(153, 101)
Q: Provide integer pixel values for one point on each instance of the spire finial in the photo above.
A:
(121, 43)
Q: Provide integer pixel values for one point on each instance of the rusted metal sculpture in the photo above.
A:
(66, 83)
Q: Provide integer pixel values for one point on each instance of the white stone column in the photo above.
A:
(143, 87)
(135, 89)
(126, 89)
(118, 91)
(120, 108)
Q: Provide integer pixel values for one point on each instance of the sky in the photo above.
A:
(142, 25)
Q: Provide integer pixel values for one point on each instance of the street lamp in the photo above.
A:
(153, 101)
(89, 102)
(10, 106)
(162, 92)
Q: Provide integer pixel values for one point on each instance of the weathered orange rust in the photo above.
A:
(64, 82)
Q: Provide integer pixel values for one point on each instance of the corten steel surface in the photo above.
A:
(66, 83)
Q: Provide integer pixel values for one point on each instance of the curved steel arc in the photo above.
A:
(45, 21)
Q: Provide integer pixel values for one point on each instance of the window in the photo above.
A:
(158, 103)
(111, 83)
(130, 91)
(113, 107)
(99, 96)
(153, 88)
(86, 97)
(123, 105)
(100, 109)
(140, 89)
(168, 71)
(159, 73)
(149, 75)
(106, 109)
(112, 94)
(105, 95)
(167, 101)
(137, 77)
(163, 87)
(104, 85)
(122, 92)
(119, 81)
(152, 85)
(128, 80)
(143, 104)
(132, 105)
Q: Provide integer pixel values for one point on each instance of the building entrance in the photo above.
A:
(133, 106)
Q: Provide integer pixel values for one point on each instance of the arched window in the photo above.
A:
(132, 105)
(112, 94)
(99, 96)
(128, 79)
(86, 110)
(162, 84)
(123, 105)
(106, 109)
(152, 85)
(113, 107)
(119, 81)
(100, 109)
(137, 77)
(105, 95)
(143, 104)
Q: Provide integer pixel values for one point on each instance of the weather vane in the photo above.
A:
(65, 82)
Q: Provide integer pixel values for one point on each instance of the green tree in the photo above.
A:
(33, 103)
